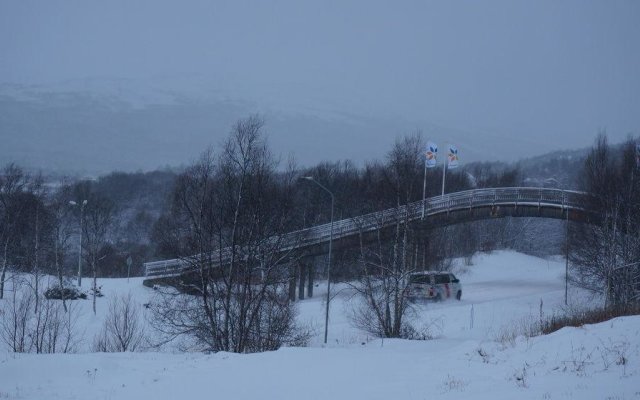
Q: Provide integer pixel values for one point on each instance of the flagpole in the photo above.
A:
(444, 172)
(424, 187)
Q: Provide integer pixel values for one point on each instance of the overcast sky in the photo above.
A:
(537, 72)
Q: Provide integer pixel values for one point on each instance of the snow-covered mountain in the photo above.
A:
(93, 126)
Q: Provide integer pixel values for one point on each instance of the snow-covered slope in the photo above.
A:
(594, 362)
(470, 358)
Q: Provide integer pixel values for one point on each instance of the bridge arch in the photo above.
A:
(453, 208)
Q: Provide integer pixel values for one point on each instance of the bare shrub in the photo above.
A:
(69, 334)
(419, 329)
(578, 318)
(381, 290)
(527, 327)
(454, 384)
(273, 320)
(411, 332)
(614, 352)
(579, 360)
(277, 326)
(122, 329)
(53, 330)
(366, 315)
(506, 336)
(101, 342)
(15, 321)
(49, 329)
(486, 357)
(468, 260)
(532, 326)
(520, 376)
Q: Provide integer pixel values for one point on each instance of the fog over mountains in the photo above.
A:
(100, 125)
(94, 126)
(90, 87)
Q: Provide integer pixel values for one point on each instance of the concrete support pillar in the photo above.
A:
(301, 276)
(310, 273)
(292, 283)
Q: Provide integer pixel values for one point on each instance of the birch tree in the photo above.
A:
(98, 216)
(606, 255)
(229, 212)
(387, 262)
(13, 181)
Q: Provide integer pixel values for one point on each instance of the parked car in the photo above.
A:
(433, 286)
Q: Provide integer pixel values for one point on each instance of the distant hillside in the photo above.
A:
(92, 128)
(556, 169)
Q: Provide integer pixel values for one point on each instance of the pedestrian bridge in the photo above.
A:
(453, 208)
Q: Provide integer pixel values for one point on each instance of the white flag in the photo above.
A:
(431, 154)
(453, 157)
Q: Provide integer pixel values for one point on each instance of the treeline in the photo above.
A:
(136, 207)
(42, 222)
(238, 197)
(606, 255)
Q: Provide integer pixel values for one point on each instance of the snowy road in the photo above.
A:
(504, 289)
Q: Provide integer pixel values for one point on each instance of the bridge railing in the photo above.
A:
(512, 196)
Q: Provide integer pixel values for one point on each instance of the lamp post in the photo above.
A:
(326, 314)
(84, 203)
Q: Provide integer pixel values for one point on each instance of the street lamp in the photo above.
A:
(84, 203)
(326, 314)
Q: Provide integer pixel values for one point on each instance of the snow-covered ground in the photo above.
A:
(474, 354)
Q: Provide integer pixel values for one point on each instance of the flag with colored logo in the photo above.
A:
(453, 156)
(431, 155)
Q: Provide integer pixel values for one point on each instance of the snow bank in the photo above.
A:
(594, 362)
(475, 356)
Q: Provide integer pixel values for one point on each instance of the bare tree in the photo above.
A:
(605, 255)
(49, 330)
(25, 228)
(54, 328)
(381, 286)
(15, 319)
(61, 231)
(37, 216)
(387, 263)
(122, 329)
(13, 182)
(231, 210)
(99, 215)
